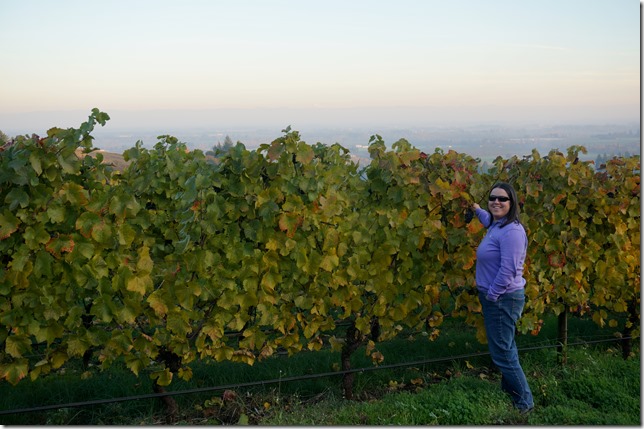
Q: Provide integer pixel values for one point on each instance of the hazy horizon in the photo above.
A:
(166, 120)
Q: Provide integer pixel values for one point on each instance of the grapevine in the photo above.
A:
(176, 258)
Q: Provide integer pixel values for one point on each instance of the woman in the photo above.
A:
(500, 282)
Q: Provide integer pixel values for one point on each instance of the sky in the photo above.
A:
(197, 62)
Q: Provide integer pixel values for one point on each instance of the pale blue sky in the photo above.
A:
(565, 57)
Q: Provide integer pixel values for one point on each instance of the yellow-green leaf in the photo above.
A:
(139, 284)
(158, 304)
(13, 372)
(16, 345)
(145, 264)
(163, 378)
(329, 262)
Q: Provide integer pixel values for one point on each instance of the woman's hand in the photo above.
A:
(475, 206)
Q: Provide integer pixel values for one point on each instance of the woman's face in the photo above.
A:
(497, 207)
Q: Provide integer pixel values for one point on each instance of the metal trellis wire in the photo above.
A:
(286, 379)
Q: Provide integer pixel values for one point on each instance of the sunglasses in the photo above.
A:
(501, 199)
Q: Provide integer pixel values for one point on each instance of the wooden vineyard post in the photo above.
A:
(169, 404)
(562, 336)
(173, 363)
(633, 319)
(353, 340)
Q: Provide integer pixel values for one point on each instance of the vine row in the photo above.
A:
(157, 264)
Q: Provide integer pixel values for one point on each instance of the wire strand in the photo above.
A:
(284, 379)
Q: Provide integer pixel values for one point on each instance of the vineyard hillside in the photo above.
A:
(292, 247)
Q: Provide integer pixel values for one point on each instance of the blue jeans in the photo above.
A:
(500, 319)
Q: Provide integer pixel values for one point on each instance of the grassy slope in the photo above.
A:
(597, 388)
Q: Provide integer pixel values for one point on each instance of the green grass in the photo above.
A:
(596, 386)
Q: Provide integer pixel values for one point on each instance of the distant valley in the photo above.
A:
(484, 142)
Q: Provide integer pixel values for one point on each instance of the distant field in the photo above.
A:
(114, 159)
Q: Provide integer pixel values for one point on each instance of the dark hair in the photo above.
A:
(513, 214)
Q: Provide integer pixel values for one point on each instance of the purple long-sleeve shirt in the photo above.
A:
(500, 257)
